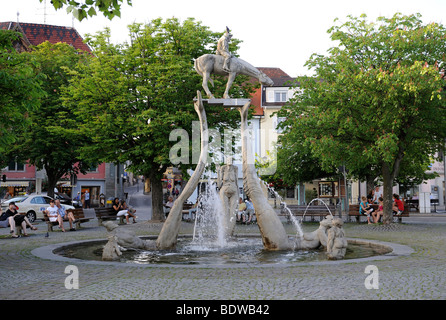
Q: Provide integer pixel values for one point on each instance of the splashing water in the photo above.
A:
(295, 222)
(208, 227)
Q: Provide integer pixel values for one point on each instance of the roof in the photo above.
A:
(35, 34)
(279, 77)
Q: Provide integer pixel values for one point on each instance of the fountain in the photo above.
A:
(217, 210)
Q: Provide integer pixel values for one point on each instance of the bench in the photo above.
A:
(78, 214)
(414, 203)
(107, 213)
(312, 211)
(353, 211)
(81, 216)
(185, 212)
(19, 229)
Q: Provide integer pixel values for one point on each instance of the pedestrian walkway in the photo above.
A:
(420, 275)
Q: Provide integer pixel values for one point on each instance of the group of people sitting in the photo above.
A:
(246, 213)
(365, 207)
(122, 209)
(245, 210)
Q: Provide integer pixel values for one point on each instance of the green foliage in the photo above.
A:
(89, 8)
(377, 100)
(20, 92)
(51, 140)
(130, 96)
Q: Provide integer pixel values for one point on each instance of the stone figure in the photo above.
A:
(167, 238)
(317, 238)
(336, 242)
(223, 49)
(229, 194)
(111, 250)
(225, 63)
(127, 238)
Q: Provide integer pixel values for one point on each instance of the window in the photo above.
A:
(15, 166)
(328, 189)
(280, 96)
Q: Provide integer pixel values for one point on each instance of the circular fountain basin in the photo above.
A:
(244, 250)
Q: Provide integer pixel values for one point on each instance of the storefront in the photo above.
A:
(15, 188)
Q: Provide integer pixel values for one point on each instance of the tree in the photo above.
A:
(20, 92)
(51, 141)
(109, 8)
(377, 99)
(131, 96)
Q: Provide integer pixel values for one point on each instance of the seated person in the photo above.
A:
(53, 214)
(398, 205)
(130, 211)
(193, 210)
(241, 209)
(119, 209)
(249, 211)
(377, 214)
(168, 206)
(363, 208)
(65, 216)
(8, 220)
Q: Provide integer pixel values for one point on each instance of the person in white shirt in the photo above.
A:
(53, 214)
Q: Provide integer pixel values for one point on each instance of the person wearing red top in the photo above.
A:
(398, 205)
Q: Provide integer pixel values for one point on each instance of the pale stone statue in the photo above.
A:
(317, 238)
(111, 250)
(224, 63)
(223, 49)
(127, 238)
(229, 194)
(167, 238)
(336, 242)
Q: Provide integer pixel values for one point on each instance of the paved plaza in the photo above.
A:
(419, 275)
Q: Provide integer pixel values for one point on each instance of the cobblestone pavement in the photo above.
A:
(421, 275)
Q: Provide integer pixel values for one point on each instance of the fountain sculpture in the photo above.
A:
(274, 237)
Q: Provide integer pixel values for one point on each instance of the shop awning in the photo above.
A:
(14, 184)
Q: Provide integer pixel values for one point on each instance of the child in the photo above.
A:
(363, 208)
(376, 215)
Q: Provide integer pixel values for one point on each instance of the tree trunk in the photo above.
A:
(387, 194)
(157, 196)
(52, 181)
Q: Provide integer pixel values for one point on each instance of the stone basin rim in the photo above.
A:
(397, 250)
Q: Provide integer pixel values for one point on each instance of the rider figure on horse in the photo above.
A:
(223, 48)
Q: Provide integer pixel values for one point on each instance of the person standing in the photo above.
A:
(87, 199)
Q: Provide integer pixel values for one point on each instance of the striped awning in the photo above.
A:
(14, 184)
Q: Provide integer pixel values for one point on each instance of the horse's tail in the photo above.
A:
(199, 71)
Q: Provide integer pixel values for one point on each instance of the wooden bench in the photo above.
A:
(312, 211)
(353, 211)
(81, 216)
(107, 213)
(78, 214)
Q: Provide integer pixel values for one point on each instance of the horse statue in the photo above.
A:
(212, 63)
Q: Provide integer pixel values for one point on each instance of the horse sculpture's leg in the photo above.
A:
(231, 78)
(206, 77)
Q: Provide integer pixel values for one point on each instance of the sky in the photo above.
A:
(275, 33)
